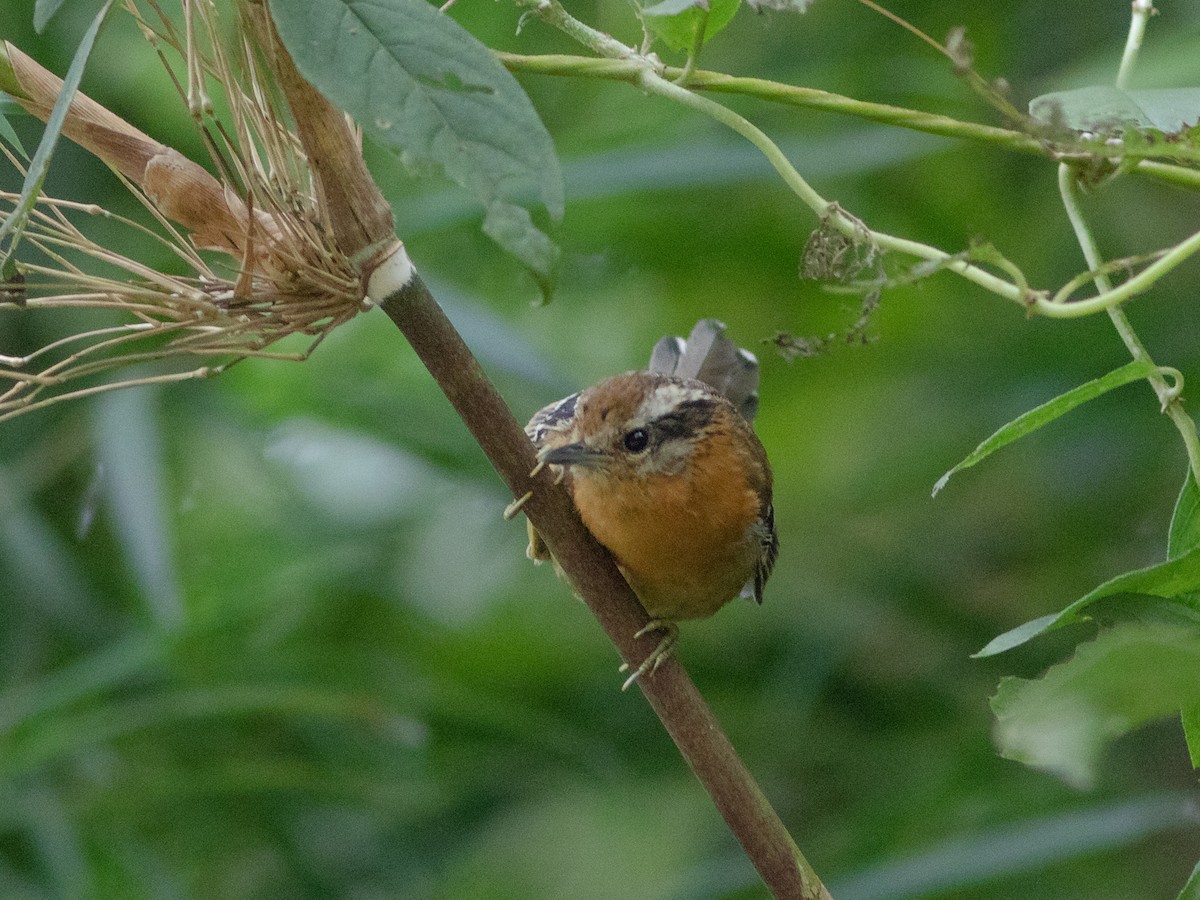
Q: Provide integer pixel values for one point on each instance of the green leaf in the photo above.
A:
(1191, 890)
(7, 133)
(678, 22)
(1128, 676)
(1191, 731)
(14, 224)
(1106, 109)
(1048, 412)
(1170, 579)
(1177, 580)
(1184, 534)
(420, 84)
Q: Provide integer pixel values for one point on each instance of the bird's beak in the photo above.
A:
(571, 455)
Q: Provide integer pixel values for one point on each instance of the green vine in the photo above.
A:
(618, 61)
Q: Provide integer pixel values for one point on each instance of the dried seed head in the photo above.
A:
(279, 273)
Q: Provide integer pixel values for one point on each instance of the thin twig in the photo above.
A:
(627, 69)
(1168, 394)
(1142, 11)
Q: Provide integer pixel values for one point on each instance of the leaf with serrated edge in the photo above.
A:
(421, 84)
(1048, 412)
(1169, 579)
(1109, 110)
(1128, 676)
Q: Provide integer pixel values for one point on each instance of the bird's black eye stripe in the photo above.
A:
(636, 440)
(687, 419)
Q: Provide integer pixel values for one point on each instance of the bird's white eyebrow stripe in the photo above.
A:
(666, 398)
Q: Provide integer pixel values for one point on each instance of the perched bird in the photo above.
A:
(668, 474)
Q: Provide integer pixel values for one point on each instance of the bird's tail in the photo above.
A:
(709, 356)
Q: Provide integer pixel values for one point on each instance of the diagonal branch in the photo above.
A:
(390, 278)
(595, 578)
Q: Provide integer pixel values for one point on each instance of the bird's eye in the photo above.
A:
(636, 440)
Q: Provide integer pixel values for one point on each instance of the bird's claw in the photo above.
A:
(658, 655)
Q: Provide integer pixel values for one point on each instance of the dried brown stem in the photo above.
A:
(358, 214)
(181, 189)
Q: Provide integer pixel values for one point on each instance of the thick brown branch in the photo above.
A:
(592, 573)
(594, 576)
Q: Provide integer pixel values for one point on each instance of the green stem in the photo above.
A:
(552, 12)
(646, 74)
(1110, 298)
(847, 224)
(627, 68)
(1168, 394)
(1142, 11)
(623, 63)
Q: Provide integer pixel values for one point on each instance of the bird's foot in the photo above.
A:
(658, 655)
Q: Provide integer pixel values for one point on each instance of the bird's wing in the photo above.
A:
(552, 419)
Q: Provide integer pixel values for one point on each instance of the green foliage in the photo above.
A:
(1074, 749)
(7, 134)
(1184, 533)
(420, 84)
(1191, 890)
(1127, 676)
(1190, 718)
(680, 23)
(1176, 580)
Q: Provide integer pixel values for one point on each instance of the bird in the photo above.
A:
(667, 473)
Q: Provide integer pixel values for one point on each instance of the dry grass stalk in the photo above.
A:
(277, 272)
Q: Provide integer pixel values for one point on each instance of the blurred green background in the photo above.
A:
(268, 636)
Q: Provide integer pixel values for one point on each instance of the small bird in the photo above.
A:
(668, 474)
